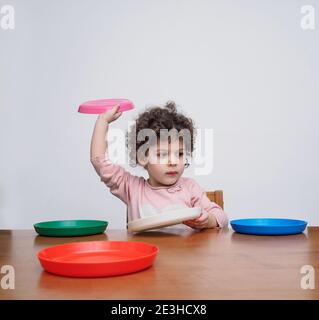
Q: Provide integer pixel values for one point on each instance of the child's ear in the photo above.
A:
(143, 162)
(143, 158)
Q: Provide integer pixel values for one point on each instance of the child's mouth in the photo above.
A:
(171, 173)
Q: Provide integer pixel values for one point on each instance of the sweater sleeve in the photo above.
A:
(115, 177)
(200, 199)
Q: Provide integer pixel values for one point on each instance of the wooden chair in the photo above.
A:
(217, 197)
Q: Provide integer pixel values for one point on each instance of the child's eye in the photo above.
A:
(162, 154)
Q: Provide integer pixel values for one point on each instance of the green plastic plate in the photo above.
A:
(70, 228)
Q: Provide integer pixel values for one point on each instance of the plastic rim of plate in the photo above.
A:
(102, 105)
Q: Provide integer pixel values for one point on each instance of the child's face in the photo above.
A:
(166, 158)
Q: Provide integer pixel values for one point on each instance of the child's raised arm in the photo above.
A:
(114, 176)
(98, 142)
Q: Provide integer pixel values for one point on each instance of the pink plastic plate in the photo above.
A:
(102, 105)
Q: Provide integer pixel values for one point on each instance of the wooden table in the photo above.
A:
(209, 264)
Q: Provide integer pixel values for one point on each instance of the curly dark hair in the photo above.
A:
(157, 118)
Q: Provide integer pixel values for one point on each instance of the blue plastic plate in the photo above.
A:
(269, 226)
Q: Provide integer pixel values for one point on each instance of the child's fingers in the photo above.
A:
(118, 114)
(111, 114)
(113, 110)
(203, 217)
(193, 224)
(199, 222)
(189, 223)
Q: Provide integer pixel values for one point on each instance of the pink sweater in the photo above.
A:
(142, 199)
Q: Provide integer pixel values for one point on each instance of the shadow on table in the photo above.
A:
(40, 240)
(60, 287)
(246, 238)
(164, 233)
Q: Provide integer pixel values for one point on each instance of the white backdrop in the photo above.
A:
(245, 69)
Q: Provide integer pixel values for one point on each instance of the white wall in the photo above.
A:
(243, 68)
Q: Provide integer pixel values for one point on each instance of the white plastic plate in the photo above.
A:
(164, 219)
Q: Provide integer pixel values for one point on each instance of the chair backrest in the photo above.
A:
(217, 197)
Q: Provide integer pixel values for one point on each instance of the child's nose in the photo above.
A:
(173, 160)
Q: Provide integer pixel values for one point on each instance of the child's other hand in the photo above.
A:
(203, 221)
(110, 115)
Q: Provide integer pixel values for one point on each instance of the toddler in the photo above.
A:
(166, 188)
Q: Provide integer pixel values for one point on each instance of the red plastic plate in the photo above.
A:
(97, 258)
(102, 105)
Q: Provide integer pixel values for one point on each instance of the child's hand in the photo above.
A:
(203, 221)
(110, 115)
